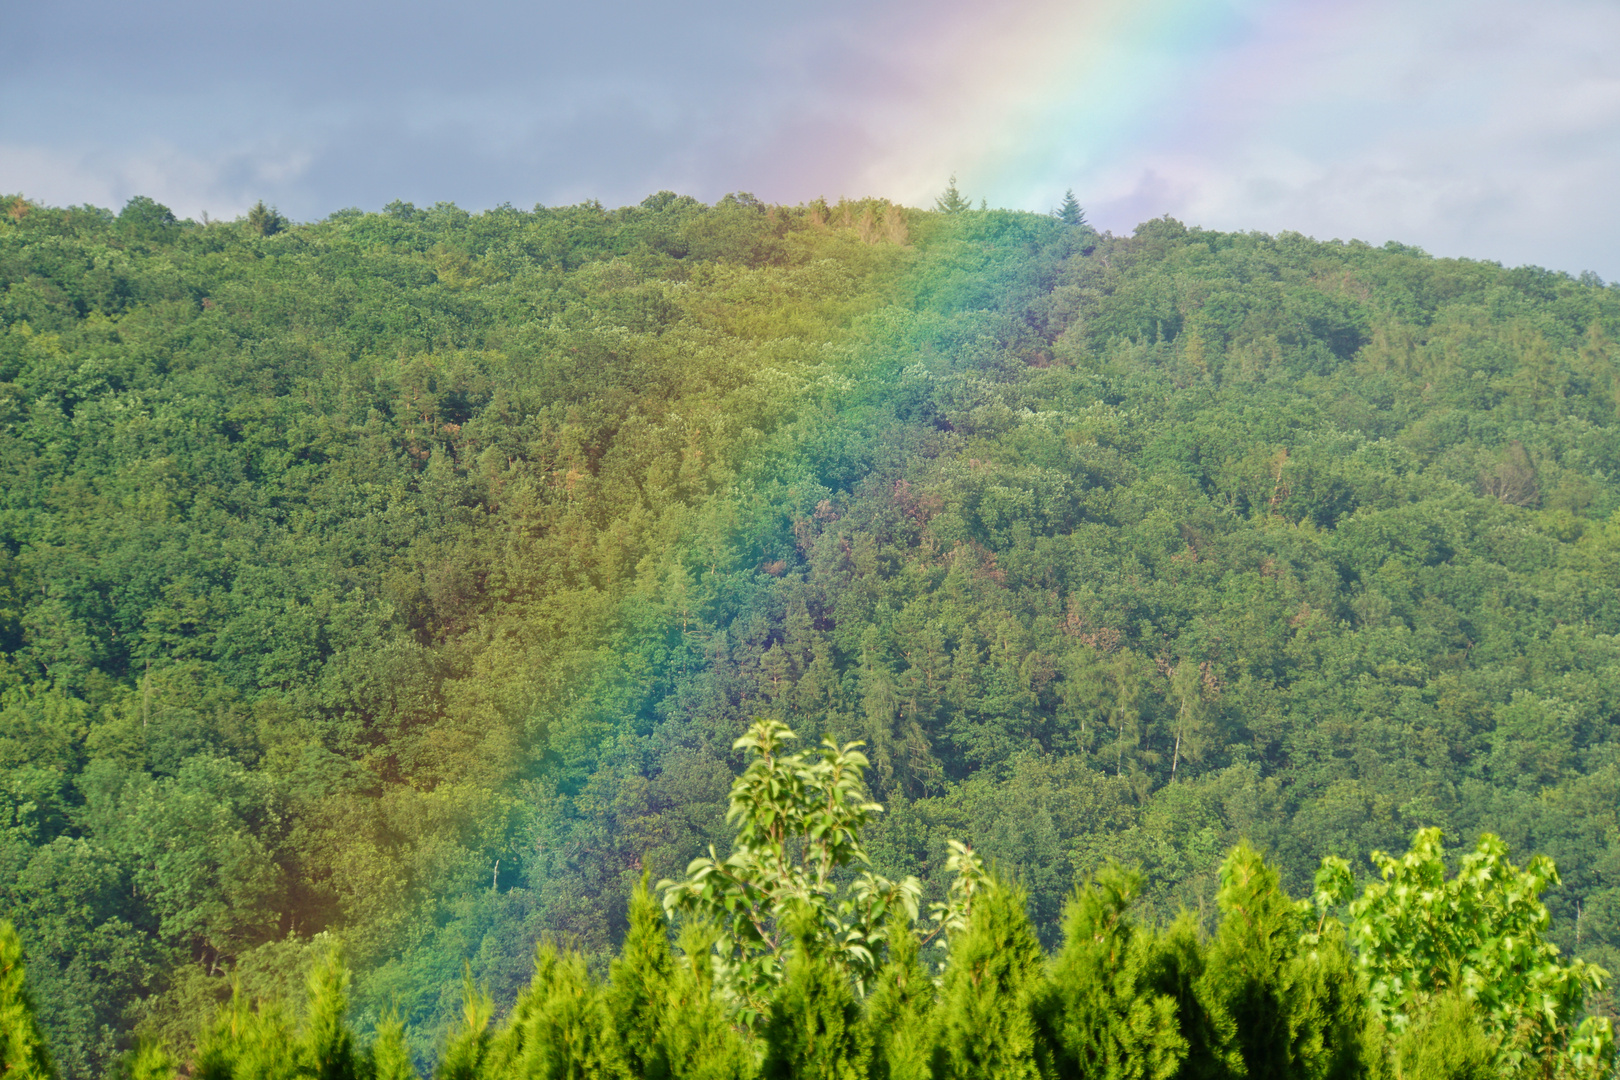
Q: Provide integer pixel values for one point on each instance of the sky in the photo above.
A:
(1487, 129)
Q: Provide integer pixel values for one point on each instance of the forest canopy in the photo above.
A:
(404, 580)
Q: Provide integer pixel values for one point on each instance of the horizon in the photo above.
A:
(1481, 131)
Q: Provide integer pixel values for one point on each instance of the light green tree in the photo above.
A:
(1421, 935)
(1102, 1013)
(23, 1053)
(798, 819)
(987, 1029)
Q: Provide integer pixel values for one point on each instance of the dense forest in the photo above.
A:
(403, 582)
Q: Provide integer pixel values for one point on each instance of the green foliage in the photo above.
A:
(263, 221)
(1070, 213)
(1446, 1040)
(468, 1048)
(704, 1043)
(1428, 942)
(23, 1052)
(987, 1023)
(901, 1014)
(814, 1029)
(952, 202)
(798, 820)
(640, 989)
(1102, 1011)
(409, 577)
(560, 1027)
(261, 1041)
(1293, 999)
(390, 1052)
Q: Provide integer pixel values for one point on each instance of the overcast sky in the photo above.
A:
(1488, 129)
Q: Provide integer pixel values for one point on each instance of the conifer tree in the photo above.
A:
(1070, 213)
(469, 1043)
(247, 1043)
(814, 1030)
(951, 201)
(1178, 970)
(703, 1042)
(900, 1012)
(263, 221)
(1100, 1011)
(390, 1053)
(987, 1023)
(1447, 1040)
(559, 1028)
(23, 1051)
(328, 1043)
(640, 985)
(1296, 1006)
(148, 1061)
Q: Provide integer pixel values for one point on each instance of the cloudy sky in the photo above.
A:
(1488, 129)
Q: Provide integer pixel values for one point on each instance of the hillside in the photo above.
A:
(407, 577)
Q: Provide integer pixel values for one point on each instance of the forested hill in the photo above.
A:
(406, 577)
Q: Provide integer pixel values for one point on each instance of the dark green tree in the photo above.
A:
(263, 220)
(146, 217)
(951, 200)
(1070, 212)
(1292, 996)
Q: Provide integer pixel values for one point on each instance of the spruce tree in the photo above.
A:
(814, 1030)
(900, 1012)
(951, 201)
(995, 970)
(23, 1051)
(1100, 1012)
(1296, 1007)
(1070, 213)
(704, 1043)
(638, 996)
(559, 1028)
(468, 1047)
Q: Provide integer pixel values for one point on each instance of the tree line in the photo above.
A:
(404, 580)
(790, 966)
